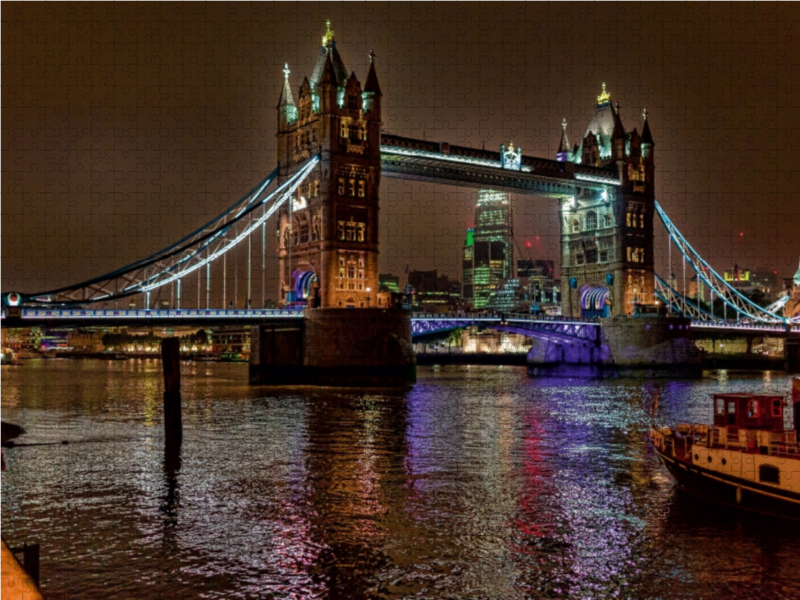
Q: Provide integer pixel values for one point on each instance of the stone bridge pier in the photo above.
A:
(653, 347)
(368, 347)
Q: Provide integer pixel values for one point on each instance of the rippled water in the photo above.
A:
(478, 483)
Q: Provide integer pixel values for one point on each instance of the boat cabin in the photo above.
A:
(748, 411)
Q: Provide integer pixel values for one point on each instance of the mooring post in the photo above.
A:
(171, 361)
(30, 560)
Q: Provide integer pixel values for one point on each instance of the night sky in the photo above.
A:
(127, 125)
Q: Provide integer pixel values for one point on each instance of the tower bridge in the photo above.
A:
(324, 195)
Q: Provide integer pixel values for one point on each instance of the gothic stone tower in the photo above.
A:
(607, 237)
(328, 236)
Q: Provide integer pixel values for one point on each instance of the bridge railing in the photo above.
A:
(496, 316)
(155, 313)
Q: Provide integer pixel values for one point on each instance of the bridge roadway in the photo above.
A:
(555, 328)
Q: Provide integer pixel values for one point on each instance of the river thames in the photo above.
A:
(477, 483)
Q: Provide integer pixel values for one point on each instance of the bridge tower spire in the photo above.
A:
(328, 236)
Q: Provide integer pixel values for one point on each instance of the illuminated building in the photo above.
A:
(431, 291)
(749, 280)
(328, 233)
(390, 283)
(231, 340)
(493, 253)
(607, 233)
(467, 266)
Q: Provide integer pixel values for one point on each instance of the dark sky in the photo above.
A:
(126, 125)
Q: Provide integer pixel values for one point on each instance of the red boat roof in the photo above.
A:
(743, 395)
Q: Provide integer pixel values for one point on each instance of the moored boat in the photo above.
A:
(745, 458)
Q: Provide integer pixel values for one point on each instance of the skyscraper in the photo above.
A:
(467, 266)
(493, 247)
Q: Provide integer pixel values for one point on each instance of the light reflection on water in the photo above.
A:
(479, 482)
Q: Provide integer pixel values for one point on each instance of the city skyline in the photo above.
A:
(98, 175)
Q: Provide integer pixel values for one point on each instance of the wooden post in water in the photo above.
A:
(171, 361)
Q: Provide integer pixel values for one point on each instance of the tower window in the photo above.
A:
(576, 226)
(352, 187)
(607, 221)
(591, 257)
(352, 102)
(341, 186)
(344, 130)
(591, 220)
(361, 188)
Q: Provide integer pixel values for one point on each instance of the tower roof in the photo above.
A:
(328, 74)
(328, 50)
(647, 137)
(372, 84)
(564, 145)
(286, 94)
(797, 276)
(619, 130)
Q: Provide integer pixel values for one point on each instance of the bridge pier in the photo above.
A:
(791, 354)
(652, 347)
(368, 347)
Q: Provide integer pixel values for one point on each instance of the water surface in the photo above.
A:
(477, 483)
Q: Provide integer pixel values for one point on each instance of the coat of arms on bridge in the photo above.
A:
(511, 159)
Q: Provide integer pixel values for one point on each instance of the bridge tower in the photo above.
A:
(328, 235)
(607, 234)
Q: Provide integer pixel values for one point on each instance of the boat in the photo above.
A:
(206, 357)
(744, 459)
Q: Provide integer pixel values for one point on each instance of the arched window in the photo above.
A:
(591, 220)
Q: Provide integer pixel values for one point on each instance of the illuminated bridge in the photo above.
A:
(331, 157)
(558, 329)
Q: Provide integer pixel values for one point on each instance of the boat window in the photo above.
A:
(752, 409)
(776, 408)
(769, 474)
(720, 406)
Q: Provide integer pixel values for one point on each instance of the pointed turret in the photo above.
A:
(328, 87)
(287, 109)
(635, 143)
(372, 86)
(286, 94)
(328, 75)
(617, 136)
(647, 139)
(372, 90)
(563, 153)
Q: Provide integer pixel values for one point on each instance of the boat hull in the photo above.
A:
(732, 491)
